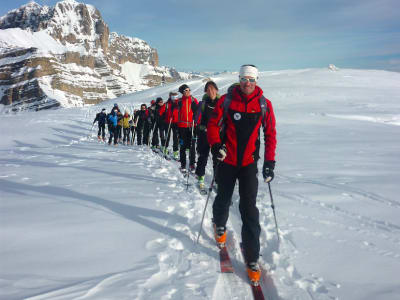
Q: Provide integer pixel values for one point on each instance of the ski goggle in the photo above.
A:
(244, 80)
(174, 97)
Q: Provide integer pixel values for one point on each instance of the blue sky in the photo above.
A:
(288, 34)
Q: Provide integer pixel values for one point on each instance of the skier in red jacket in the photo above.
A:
(171, 120)
(187, 107)
(240, 113)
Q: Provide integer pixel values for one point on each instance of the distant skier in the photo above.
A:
(241, 112)
(158, 127)
(101, 121)
(120, 118)
(171, 120)
(151, 112)
(143, 123)
(187, 107)
(206, 107)
(112, 119)
(126, 127)
(115, 107)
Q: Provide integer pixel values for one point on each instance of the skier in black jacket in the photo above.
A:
(101, 119)
(204, 111)
(143, 123)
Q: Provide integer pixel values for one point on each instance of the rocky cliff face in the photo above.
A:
(66, 56)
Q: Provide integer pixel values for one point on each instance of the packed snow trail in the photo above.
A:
(84, 220)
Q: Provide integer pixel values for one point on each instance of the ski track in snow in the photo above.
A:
(179, 262)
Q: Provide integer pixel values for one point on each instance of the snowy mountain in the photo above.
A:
(65, 55)
(83, 220)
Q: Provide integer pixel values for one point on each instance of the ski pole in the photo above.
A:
(151, 133)
(167, 137)
(90, 132)
(190, 151)
(205, 207)
(134, 130)
(273, 210)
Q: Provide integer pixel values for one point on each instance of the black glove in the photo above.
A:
(268, 170)
(219, 151)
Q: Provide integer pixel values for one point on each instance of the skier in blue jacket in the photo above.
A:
(112, 122)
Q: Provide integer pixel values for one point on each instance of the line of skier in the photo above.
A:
(229, 127)
(181, 120)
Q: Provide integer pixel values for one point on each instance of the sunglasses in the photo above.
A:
(244, 80)
(187, 90)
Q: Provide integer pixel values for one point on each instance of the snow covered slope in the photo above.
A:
(81, 220)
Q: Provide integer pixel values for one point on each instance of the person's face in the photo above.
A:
(211, 92)
(186, 92)
(143, 108)
(160, 103)
(247, 84)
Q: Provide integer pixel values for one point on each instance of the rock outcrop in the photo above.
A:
(66, 56)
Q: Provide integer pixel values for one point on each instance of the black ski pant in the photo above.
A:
(119, 132)
(113, 130)
(248, 188)
(173, 131)
(163, 132)
(159, 134)
(133, 131)
(102, 131)
(127, 132)
(186, 142)
(142, 132)
(203, 151)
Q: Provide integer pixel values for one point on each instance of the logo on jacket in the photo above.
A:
(237, 116)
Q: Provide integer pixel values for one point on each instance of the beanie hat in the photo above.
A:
(248, 70)
(182, 88)
(103, 109)
(115, 105)
(212, 83)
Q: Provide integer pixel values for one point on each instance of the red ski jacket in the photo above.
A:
(175, 111)
(187, 106)
(168, 114)
(241, 127)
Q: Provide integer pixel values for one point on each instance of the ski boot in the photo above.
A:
(254, 273)
(192, 168)
(176, 155)
(98, 138)
(220, 236)
(201, 182)
(183, 170)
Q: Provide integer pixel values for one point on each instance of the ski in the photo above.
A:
(225, 260)
(255, 288)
